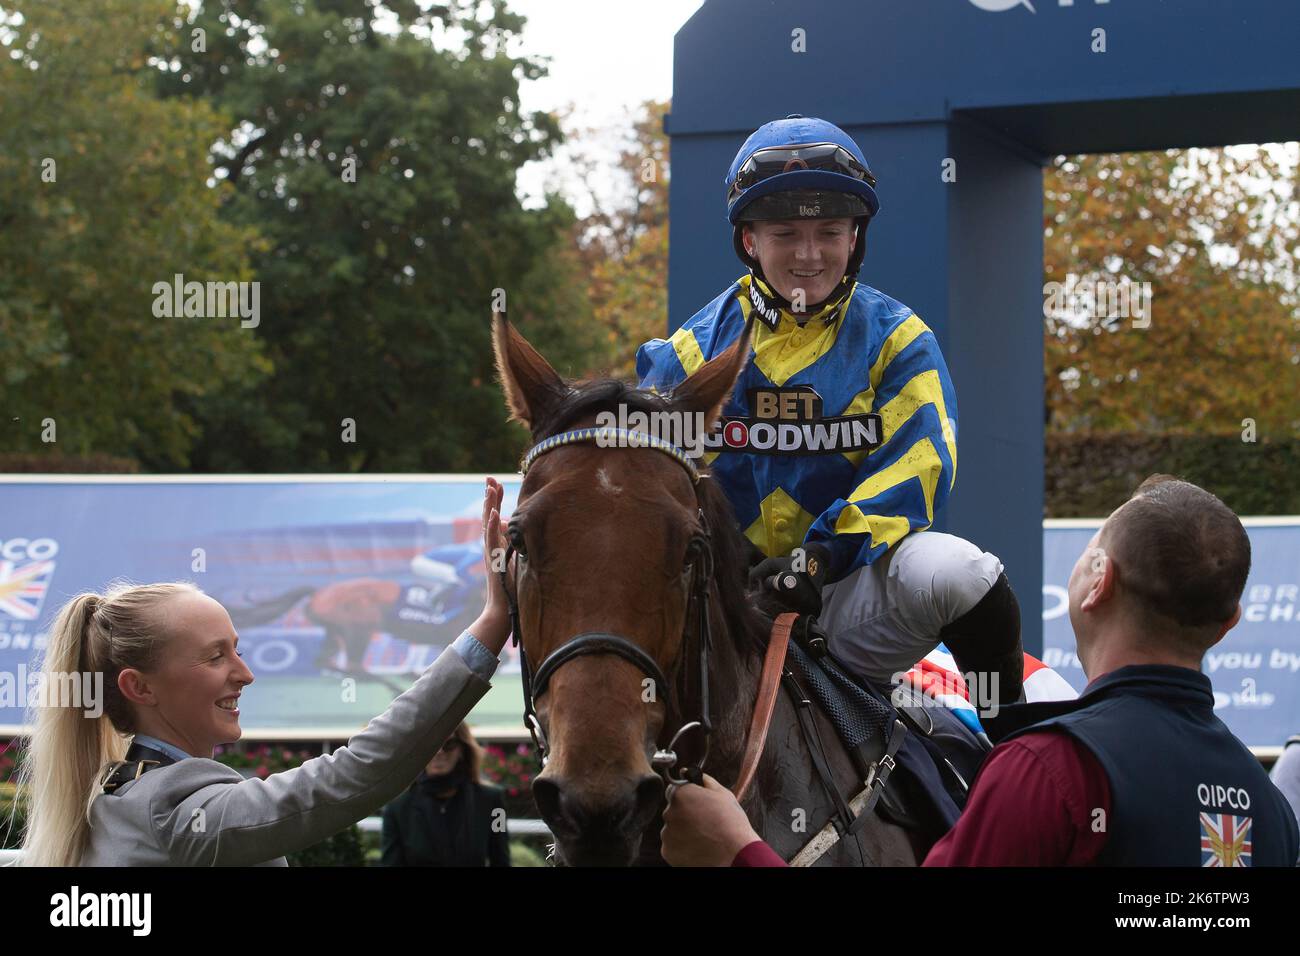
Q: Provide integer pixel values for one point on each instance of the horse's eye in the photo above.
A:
(694, 548)
(516, 536)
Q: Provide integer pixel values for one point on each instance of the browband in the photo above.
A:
(617, 438)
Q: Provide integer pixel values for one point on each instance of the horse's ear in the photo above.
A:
(708, 389)
(532, 387)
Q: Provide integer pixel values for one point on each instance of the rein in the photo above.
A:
(769, 684)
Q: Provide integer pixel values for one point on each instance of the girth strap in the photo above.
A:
(812, 737)
(863, 804)
(879, 773)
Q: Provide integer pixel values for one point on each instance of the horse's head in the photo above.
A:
(606, 539)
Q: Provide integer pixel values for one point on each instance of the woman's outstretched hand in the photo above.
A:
(493, 626)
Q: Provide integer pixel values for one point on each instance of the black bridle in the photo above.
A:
(699, 563)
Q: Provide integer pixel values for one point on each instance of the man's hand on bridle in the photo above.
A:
(794, 581)
(704, 825)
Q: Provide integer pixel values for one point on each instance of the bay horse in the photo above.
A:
(604, 539)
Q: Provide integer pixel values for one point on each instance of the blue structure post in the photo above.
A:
(987, 90)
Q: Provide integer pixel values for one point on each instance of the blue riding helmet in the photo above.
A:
(801, 168)
(798, 154)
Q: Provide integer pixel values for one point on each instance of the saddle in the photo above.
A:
(935, 759)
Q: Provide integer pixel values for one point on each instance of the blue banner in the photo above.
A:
(343, 590)
(1255, 669)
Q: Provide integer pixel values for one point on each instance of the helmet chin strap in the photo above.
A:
(761, 288)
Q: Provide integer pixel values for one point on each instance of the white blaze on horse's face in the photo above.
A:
(602, 478)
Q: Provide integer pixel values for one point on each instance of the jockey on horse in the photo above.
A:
(839, 443)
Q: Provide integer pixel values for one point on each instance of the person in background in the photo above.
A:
(448, 816)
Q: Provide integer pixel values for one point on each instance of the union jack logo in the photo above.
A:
(1225, 840)
(23, 587)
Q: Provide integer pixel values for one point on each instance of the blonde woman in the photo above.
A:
(172, 679)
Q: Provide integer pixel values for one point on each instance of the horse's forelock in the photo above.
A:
(591, 398)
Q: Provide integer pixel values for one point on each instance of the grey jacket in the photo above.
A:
(202, 813)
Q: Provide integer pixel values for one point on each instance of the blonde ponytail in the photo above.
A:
(93, 634)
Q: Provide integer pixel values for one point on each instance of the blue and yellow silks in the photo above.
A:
(869, 355)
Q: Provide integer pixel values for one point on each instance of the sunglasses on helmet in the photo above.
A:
(774, 160)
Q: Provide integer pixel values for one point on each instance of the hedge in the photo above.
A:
(1087, 476)
(54, 464)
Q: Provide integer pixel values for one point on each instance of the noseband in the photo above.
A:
(665, 759)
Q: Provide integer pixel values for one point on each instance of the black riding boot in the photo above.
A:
(986, 640)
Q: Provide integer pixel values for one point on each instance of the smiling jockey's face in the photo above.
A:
(801, 254)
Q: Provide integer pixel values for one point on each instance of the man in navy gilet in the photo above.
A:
(1138, 771)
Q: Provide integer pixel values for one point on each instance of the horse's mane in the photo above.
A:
(731, 550)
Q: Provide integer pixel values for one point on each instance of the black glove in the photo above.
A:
(794, 581)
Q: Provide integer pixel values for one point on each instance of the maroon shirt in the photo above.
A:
(758, 853)
(1033, 803)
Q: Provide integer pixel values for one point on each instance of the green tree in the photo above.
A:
(1214, 233)
(102, 194)
(376, 148)
(624, 243)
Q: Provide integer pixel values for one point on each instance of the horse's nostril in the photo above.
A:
(649, 796)
(547, 794)
(563, 809)
(578, 816)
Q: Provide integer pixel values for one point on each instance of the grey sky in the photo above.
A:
(607, 57)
